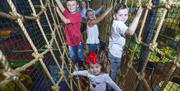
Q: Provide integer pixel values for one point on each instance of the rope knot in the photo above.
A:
(53, 35)
(11, 75)
(48, 46)
(138, 4)
(142, 75)
(138, 39)
(61, 72)
(43, 8)
(37, 55)
(168, 4)
(177, 62)
(149, 5)
(64, 46)
(16, 16)
(55, 88)
(152, 46)
(36, 16)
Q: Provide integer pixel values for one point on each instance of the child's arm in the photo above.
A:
(97, 20)
(131, 29)
(112, 83)
(81, 73)
(63, 18)
(98, 10)
(60, 5)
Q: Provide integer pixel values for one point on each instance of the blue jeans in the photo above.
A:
(92, 47)
(115, 65)
(76, 53)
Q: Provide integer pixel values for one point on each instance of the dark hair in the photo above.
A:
(90, 10)
(86, 2)
(119, 6)
(102, 59)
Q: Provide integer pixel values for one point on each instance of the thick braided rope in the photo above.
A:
(149, 5)
(8, 72)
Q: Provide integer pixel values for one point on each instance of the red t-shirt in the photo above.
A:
(72, 29)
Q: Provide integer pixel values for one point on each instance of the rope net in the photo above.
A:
(34, 56)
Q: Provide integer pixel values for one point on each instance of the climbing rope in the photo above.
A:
(152, 46)
(9, 74)
(171, 71)
(38, 56)
(149, 5)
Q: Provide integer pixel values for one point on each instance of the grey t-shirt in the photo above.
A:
(98, 83)
(117, 39)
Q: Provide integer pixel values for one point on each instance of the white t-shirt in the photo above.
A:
(98, 83)
(117, 39)
(92, 34)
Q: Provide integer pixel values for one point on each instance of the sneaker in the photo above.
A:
(76, 67)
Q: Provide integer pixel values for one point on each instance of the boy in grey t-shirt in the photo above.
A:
(118, 32)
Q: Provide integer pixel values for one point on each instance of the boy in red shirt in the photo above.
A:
(72, 20)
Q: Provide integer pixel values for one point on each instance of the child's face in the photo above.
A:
(83, 4)
(122, 15)
(72, 5)
(95, 68)
(90, 15)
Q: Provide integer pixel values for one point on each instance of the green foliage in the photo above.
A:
(156, 57)
(21, 62)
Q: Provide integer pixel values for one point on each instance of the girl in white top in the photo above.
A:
(92, 28)
(83, 7)
(98, 72)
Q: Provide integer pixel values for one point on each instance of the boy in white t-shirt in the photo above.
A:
(118, 33)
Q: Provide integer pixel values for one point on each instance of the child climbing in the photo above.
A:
(84, 6)
(72, 20)
(119, 31)
(92, 28)
(98, 72)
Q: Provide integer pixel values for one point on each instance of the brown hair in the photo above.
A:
(102, 59)
(90, 10)
(86, 2)
(119, 6)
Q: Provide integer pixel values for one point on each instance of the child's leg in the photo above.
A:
(72, 54)
(89, 47)
(92, 47)
(80, 52)
(115, 64)
(80, 56)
